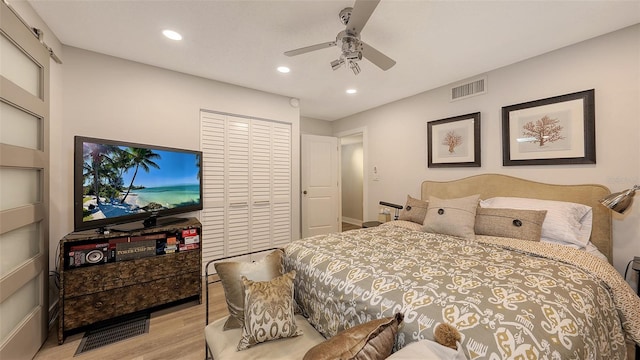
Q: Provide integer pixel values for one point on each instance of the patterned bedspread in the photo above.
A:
(507, 302)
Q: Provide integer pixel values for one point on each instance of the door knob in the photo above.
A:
(305, 192)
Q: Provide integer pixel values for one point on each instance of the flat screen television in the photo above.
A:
(126, 186)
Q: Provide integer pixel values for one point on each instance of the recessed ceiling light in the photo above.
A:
(351, 91)
(283, 69)
(172, 34)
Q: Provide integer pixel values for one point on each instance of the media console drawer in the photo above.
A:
(88, 309)
(93, 293)
(93, 279)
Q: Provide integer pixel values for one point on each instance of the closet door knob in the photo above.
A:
(305, 192)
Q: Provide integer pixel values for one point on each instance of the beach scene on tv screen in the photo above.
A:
(120, 181)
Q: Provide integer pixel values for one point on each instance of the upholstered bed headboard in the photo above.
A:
(492, 185)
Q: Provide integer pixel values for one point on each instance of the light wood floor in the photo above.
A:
(174, 333)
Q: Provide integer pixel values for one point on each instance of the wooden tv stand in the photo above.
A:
(103, 288)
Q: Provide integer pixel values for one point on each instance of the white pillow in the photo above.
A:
(565, 221)
(426, 349)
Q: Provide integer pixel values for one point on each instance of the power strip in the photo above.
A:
(636, 263)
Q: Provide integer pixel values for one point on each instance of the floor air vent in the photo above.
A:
(103, 336)
(468, 89)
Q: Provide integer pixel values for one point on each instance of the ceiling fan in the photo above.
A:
(353, 49)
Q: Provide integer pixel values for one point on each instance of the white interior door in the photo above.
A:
(320, 187)
(24, 188)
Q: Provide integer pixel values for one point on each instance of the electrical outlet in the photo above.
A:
(636, 263)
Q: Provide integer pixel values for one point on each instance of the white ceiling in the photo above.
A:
(242, 42)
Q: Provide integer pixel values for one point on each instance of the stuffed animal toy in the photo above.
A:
(447, 335)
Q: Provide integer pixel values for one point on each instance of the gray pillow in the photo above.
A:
(268, 310)
(511, 223)
(231, 272)
(455, 217)
(414, 210)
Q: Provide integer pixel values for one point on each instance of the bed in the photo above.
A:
(509, 298)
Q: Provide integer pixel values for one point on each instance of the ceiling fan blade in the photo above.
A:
(376, 57)
(310, 48)
(362, 10)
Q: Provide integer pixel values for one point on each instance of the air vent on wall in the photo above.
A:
(468, 89)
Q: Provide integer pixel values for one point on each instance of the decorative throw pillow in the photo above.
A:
(414, 210)
(565, 221)
(230, 274)
(268, 310)
(455, 217)
(427, 349)
(511, 223)
(373, 340)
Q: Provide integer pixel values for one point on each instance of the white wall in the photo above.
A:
(315, 126)
(610, 64)
(112, 98)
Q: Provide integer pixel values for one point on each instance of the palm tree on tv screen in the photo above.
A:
(95, 158)
(122, 161)
(141, 158)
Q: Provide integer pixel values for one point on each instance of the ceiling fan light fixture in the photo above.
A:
(353, 49)
(354, 67)
(353, 55)
(335, 64)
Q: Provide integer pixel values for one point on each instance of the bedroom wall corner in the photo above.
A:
(315, 126)
(608, 64)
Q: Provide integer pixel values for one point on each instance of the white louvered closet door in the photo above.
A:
(260, 185)
(238, 174)
(281, 184)
(212, 216)
(247, 184)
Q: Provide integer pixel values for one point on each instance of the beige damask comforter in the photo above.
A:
(510, 299)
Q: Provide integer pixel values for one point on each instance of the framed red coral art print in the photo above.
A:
(553, 131)
(454, 141)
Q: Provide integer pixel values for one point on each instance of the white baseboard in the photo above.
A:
(352, 221)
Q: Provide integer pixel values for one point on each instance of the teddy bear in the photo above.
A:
(447, 335)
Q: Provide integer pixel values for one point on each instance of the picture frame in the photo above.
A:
(553, 131)
(454, 142)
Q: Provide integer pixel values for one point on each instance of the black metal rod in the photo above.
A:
(384, 203)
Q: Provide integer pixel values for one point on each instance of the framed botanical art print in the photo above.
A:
(552, 131)
(454, 142)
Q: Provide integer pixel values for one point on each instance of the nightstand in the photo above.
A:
(370, 224)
